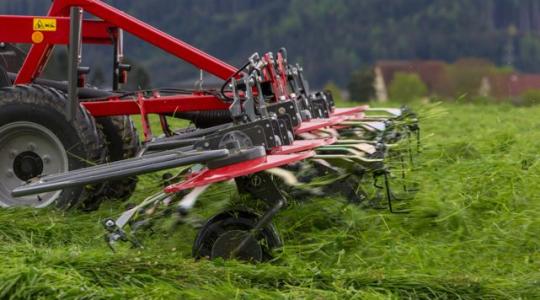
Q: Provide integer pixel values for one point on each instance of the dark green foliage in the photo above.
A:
(335, 90)
(138, 78)
(331, 37)
(361, 86)
(530, 97)
(406, 88)
(98, 78)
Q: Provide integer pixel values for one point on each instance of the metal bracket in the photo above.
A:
(74, 58)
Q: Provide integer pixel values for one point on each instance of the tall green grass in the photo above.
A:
(473, 232)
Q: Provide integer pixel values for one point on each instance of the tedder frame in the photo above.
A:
(270, 120)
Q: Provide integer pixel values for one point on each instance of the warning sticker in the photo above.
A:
(41, 24)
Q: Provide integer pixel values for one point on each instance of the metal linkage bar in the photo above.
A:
(149, 158)
(120, 170)
(74, 59)
(169, 143)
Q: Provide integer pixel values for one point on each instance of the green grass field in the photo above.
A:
(473, 232)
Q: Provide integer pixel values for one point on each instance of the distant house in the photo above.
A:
(432, 73)
(440, 80)
(509, 86)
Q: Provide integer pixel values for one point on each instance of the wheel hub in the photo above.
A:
(29, 150)
(226, 245)
(27, 165)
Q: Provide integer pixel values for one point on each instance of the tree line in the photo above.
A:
(332, 38)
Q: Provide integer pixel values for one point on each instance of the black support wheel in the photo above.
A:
(222, 235)
(122, 143)
(36, 139)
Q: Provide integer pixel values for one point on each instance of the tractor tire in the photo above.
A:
(122, 143)
(36, 138)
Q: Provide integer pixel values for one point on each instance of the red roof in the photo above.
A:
(512, 85)
(432, 72)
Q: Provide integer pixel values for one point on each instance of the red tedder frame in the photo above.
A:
(55, 29)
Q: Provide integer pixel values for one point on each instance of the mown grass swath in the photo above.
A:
(472, 232)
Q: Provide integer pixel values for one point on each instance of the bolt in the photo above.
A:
(256, 181)
(9, 173)
(31, 146)
(46, 159)
(109, 223)
(12, 154)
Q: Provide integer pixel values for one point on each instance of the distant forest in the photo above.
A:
(332, 38)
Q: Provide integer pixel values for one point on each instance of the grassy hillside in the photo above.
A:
(472, 233)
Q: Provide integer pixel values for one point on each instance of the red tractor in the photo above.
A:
(73, 145)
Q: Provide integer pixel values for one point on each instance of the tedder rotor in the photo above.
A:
(74, 145)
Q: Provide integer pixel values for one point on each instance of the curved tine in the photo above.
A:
(348, 157)
(364, 147)
(396, 112)
(349, 141)
(128, 214)
(338, 148)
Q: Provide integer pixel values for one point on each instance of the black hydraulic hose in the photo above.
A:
(222, 90)
(83, 93)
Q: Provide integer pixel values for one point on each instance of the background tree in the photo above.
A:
(331, 37)
(407, 87)
(97, 78)
(360, 86)
(530, 97)
(138, 77)
(335, 90)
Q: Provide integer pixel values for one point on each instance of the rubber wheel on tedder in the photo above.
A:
(122, 143)
(36, 139)
(222, 234)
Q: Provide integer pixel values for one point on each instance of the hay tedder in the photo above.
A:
(67, 143)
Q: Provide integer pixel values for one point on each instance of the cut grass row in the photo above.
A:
(472, 233)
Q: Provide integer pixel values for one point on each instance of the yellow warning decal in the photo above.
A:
(41, 24)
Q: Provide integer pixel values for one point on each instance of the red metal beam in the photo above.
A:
(21, 29)
(315, 124)
(161, 105)
(39, 53)
(208, 176)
